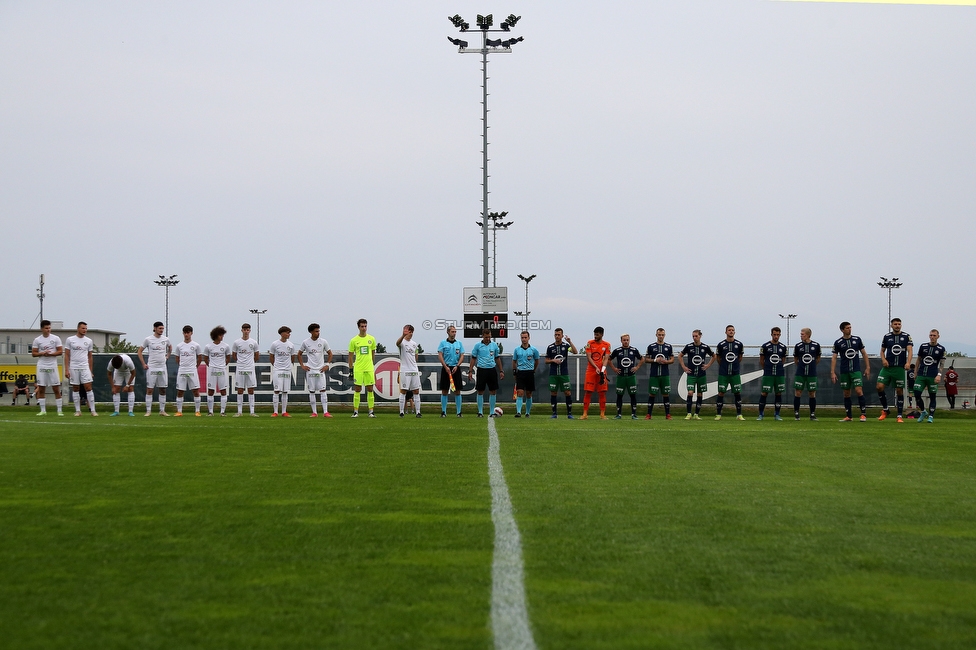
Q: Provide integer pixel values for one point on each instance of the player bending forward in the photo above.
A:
(316, 349)
(122, 378)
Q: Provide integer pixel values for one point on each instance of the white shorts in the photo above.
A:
(79, 376)
(409, 381)
(189, 380)
(216, 379)
(120, 377)
(157, 378)
(281, 380)
(48, 377)
(246, 379)
(315, 381)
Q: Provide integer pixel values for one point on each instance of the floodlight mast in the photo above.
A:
(167, 282)
(893, 283)
(787, 318)
(496, 46)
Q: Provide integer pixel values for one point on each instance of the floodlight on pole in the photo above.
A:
(493, 46)
(787, 318)
(40, 295)
(525, 314)
(167, 282)
(893, 283)
(258, 313)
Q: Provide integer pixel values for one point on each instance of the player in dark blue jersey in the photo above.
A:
(729, 354)
(806, 355)
(772, 357)
(928, 373)
(660, 356)
(625, 361)
(695, 354)
(848, 350)
(896, 358)
(557, 358)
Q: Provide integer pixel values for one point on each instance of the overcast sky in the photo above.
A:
(678, 164)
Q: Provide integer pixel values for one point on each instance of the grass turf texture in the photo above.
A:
(250, 533)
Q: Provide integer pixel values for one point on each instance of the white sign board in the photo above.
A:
(485, 300)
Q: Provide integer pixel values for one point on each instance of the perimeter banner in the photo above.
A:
(340, 389)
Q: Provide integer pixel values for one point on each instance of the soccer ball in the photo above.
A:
(498, 411)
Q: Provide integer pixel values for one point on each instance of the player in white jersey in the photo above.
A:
(282, 353)
(409, 372)
(215, 355)
(316, 348)
(245, 355)
(47, 348)
(121, 372)
(190, 355)
(157, 376)
(79, 363)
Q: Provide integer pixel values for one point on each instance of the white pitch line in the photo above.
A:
(509, 613)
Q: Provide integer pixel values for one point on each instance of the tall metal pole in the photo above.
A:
(167, 282)
(258, 313)
(40, 295)
(893, 283)
(525, 314)
(484, 158)
(787, 318)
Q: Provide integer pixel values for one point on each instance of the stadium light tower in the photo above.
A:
(787, 318)
(40, 295)
(893, 283)
(258, 313)
(496, 225)
(496, 46)
(525, 314)
(167, 282)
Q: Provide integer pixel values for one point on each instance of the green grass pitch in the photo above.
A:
(377, 533)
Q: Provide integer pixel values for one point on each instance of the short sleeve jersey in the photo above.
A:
(599, 351)
(408, 356)
(695, 356)
(157, 347)
(655, 350)
(485, 354)
(806, 355)
(316, 349)
(281, 353)
(929, 357)
(80, 346)
(363, 347)
(452, 351)
(896, 348)
(47, 344)
(848, 352)
(245, 349)
(525, 358)
(187, 353)
(558, 350)
(216, 354)
(626, 359)
(729, 354)
(774, 355)
(951, 378)
(127, 366)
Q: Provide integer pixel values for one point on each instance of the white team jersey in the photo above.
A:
(47, 344)
(281, 353)
(316, 351)
(408, 356)
(80, 347)
(157, 348)
(245, 351)
(127, 366)
(217, 353)
(187, 353)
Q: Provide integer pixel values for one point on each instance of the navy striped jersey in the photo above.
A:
(558, 350)
(774, 358)
(929, 357)
(806, 355)
(626, 359)
(895, 348)
(849, 353)
(695, 356)
(729, 354)
(666, 351)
